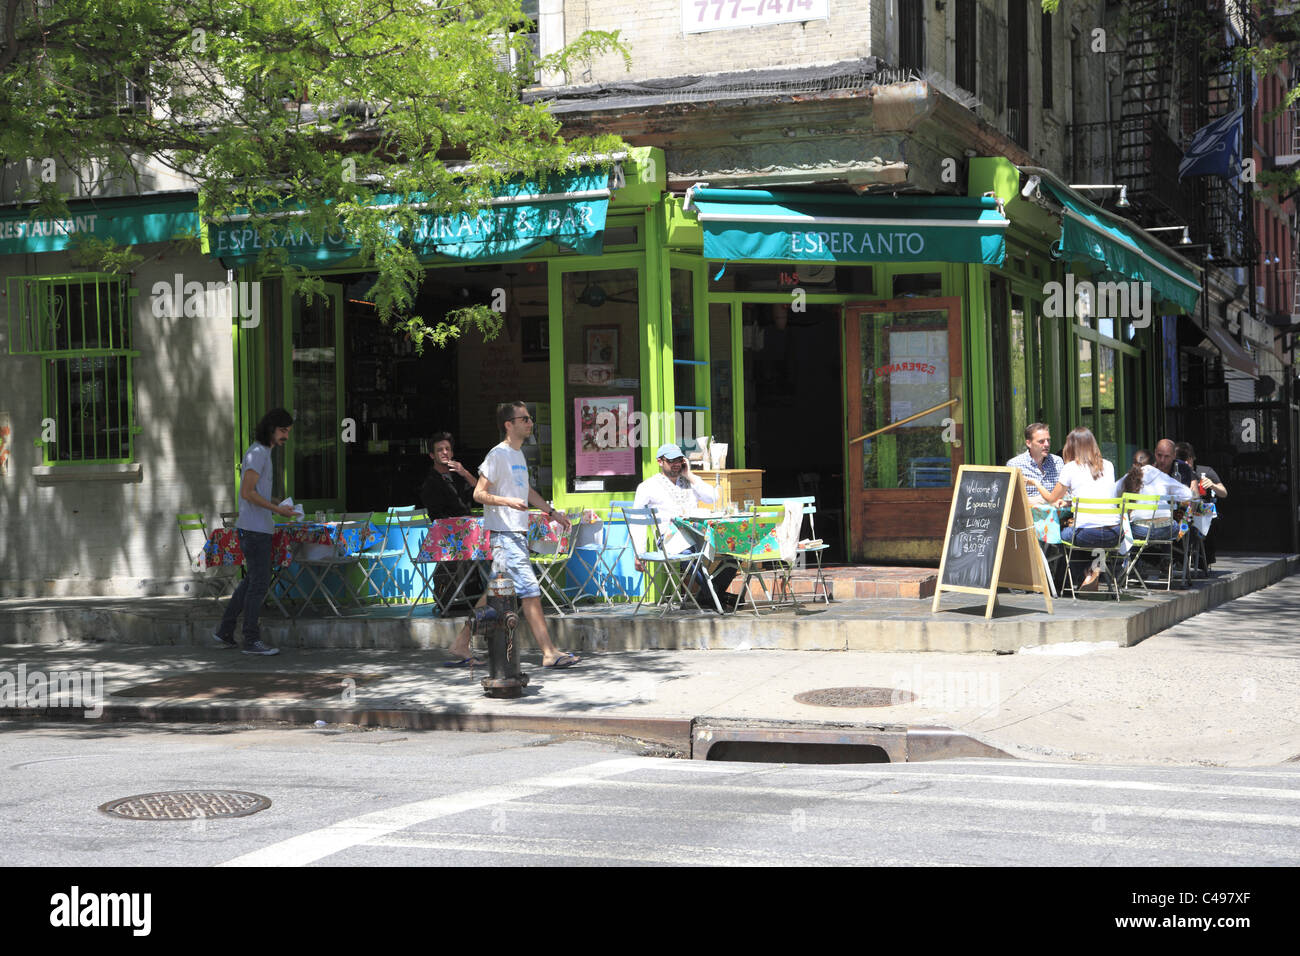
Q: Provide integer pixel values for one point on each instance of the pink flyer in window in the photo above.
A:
(603, 428)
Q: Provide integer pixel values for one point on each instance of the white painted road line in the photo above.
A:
(309, 847)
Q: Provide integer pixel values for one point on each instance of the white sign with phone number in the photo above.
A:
(701, 16)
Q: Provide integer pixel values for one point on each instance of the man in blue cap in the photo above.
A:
(672, 493)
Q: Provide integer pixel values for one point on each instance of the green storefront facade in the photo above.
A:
(783, 323)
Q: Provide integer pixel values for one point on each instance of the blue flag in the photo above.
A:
(1215, 149)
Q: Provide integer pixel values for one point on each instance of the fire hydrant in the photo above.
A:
(497, 621)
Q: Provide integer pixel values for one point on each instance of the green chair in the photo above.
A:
(194, 535)
(549, 568)
(1096, 507)
(1140, 511)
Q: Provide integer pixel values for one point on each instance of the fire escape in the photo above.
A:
(1178, 76)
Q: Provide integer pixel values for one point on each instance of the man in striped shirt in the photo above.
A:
(1037, 460)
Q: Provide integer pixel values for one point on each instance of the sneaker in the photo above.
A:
(224, 641)
(257, 647)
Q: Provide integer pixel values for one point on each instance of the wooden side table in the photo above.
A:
(738, 484)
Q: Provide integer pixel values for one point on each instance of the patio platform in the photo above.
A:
(865, 624)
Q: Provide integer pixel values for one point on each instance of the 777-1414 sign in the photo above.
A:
(701, 16)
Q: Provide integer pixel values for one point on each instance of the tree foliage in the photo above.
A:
(313, 106)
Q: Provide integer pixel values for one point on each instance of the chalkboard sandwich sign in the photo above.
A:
(990, 540)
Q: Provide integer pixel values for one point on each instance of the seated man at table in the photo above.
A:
(1167, 460)
(448, 491)
(674, 493)
(1037, 461)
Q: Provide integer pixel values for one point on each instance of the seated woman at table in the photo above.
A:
(1146, 479)
(1085, 475)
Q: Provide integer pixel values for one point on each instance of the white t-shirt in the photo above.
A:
(507, 473)
(1156, 482)
(1081, 484)
(670, 501)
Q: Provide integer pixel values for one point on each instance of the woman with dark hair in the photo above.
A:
(1146, 479)
(256, 528)
(1085, 475)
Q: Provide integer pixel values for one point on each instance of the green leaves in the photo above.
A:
(314, 107)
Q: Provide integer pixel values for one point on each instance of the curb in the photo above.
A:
(699, 738)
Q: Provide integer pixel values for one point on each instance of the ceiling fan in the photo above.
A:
(594, 296)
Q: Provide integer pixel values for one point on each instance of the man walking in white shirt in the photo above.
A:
(504, 493)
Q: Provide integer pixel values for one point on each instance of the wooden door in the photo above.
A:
(903, 356)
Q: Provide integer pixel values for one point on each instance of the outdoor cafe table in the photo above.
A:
(222, 546)
(466, 539)
(729, 540)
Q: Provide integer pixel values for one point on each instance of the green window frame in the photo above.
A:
(80, 326)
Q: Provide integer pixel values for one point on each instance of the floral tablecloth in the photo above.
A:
(466, 539)
(222, 546)
(744, 537)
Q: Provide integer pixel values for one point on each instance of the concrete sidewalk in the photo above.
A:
(1218, 689)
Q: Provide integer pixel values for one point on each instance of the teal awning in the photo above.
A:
(825, 227)
(129, 220)
(569, 209)
(1117, 250)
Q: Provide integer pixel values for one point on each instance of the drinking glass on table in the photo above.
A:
(320, 517)
(749, 506)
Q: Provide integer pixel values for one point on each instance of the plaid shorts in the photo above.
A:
(513, 545)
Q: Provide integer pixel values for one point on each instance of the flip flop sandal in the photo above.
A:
(466, 662)
(563, 661)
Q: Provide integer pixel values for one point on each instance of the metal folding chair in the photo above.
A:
(813, 545)
(194, 535)
(639, 522)
(1107, 507)
(787, 526)
(318, 569)
(371, 556)
(1140, 510)
(550, 567)
(414, 527)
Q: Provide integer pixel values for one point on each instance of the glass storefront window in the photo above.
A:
(830, 278)
(1108, 424)
(315, 399)
(720, 373)
(905, 370)
(683, 320)
(1087, 418)
(602, 380)
(1019, 371)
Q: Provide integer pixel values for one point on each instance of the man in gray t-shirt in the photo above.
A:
(256, 528)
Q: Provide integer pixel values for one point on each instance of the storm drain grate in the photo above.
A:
(186, 805)
(855, 697)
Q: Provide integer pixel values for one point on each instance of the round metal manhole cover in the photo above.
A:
(855, 697)
(187, 805)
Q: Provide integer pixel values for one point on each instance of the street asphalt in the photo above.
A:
(1218, 689)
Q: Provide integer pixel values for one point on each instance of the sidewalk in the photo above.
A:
(1218, 689)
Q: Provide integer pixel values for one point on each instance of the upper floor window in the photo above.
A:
(911, 35)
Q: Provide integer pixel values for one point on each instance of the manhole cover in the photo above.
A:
(855, 697)
(186, 805)
(253, 685)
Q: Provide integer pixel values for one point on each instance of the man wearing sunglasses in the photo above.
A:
(504, 493)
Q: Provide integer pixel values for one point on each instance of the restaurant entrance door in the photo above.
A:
(903, 385)
(792, 408)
